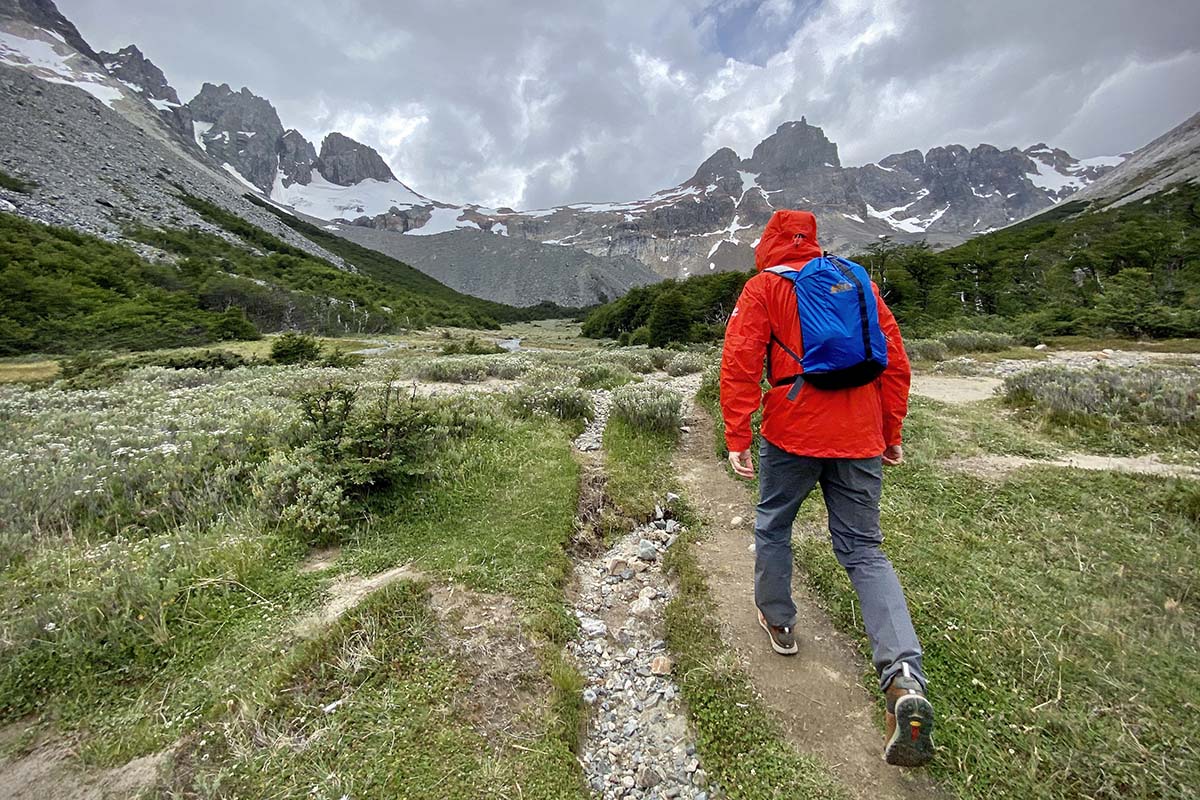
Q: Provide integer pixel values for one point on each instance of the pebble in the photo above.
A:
(736, 522)
(647, 551)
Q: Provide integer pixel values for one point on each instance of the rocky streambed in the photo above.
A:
(638, 743)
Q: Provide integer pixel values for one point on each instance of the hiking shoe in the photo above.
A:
(783, 641)
(908, 724)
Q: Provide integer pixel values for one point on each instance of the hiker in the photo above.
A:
(839, 382)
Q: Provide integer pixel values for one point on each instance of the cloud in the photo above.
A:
(540, 102)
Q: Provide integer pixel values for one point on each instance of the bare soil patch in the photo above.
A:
(320, 559)
(818, 696)
(954, 390)
(51, 769)
(483, 634)
(346, 592)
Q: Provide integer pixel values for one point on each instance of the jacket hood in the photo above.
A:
(789, 238)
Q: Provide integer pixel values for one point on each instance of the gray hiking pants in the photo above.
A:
(852, 488)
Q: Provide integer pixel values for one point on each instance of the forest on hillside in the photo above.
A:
(1129, 271)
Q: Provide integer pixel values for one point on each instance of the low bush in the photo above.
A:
(295, 348)
(471, 346)
(1146, 395)
(976, 341)
(685, 364)
(560, 402)
(926, 350)
(649, 407)
(636, 360)
(472, 369)
(599, 375)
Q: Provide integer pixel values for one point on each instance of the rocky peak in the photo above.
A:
(345, 162)
(297, 157)
(794, 148)
(720, 169)
(44, 14)
(240, 129)
(130, 66)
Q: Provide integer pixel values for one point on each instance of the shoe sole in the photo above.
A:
(911, 744)
(778, 648)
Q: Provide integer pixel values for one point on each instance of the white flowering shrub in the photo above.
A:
(634, 359)
(601, 375)
(976, 341)
(926, 350)
(649, 407)
(1145, 395)
(685, 363)
(560, 402)
(472, 369)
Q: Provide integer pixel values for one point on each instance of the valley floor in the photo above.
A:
(542, 606)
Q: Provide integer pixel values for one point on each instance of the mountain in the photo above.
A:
(1172, 158)
(517, 272)
(711, 221)
(708, 223)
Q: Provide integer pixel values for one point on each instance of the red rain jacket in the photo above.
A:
(821, 423)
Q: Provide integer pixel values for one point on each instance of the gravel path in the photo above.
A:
(638, 744)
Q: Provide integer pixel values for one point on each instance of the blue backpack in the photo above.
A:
(839, 325)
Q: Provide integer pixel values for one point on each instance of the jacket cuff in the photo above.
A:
(738, 442)
(893, 437)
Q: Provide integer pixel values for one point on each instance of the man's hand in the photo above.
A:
(892, 456)
(742, 463)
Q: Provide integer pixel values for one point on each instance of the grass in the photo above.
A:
(1087, 343)
(497, 516)
(370, 709)
(638, 465)
(179, 628)
(1057, 613)
(15, 184)
(742, 749)
(24, 370)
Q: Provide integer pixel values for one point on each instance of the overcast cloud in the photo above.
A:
(530, 103)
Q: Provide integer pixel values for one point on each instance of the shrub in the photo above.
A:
(685, 364)
(1145, 395)
(295, 348)
(636, 360)
(471, 369)
(296, 490)
(649, 407)
(926, 350)
(640, 336)
(560, 402)
(599, 375)
(471, 346)
(452, 370)
(976, 341)
(343, 359)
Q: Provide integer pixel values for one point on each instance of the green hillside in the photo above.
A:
(1129, 271)
(65, 291)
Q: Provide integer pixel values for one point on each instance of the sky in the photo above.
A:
(534, 103)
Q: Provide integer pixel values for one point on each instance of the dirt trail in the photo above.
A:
(817, 696)
(954, 390)
(1000, 466)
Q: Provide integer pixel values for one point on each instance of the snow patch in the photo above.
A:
(163, 105)
(198, 131)
(326, 200)
(500, 228)
(43, 60)
(442, 220)
(749, 180)
(854, 217)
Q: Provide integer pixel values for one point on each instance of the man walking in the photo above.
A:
(832, 417)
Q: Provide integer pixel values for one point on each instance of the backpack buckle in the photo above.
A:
(797, 385)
